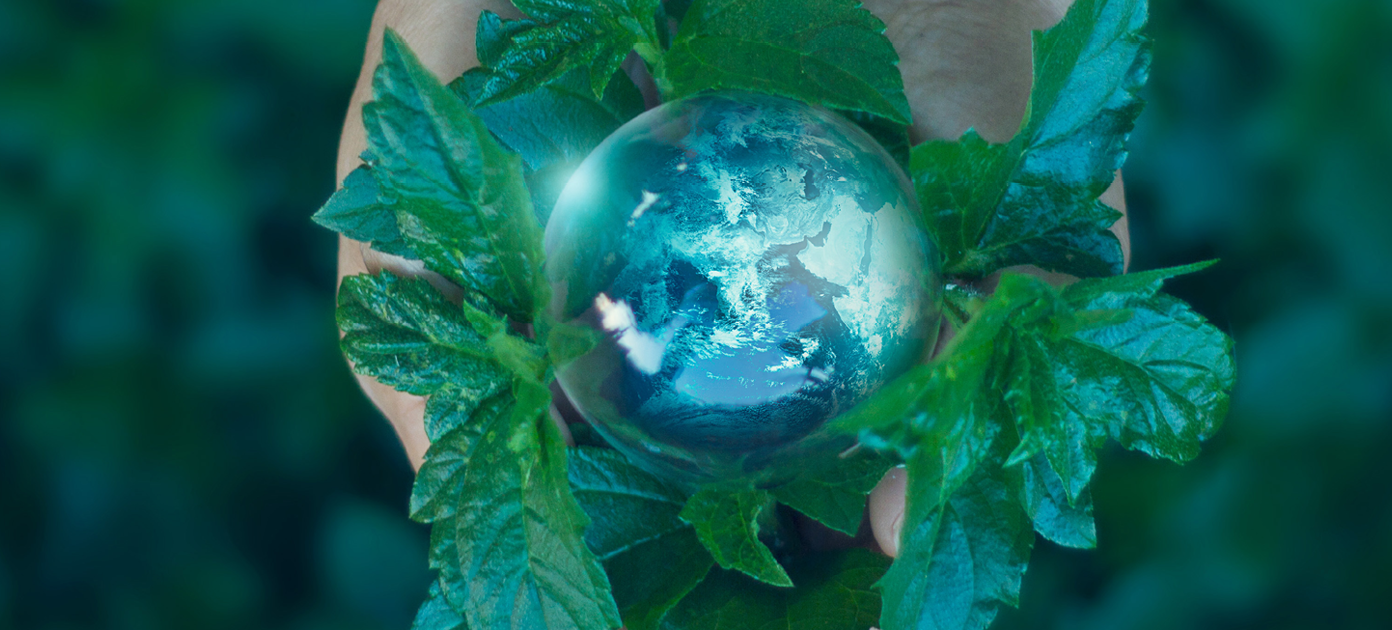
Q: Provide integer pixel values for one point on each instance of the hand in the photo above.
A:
(965, 65)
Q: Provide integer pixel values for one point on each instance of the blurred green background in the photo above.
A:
(182, 447)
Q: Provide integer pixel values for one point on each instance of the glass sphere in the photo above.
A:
(756, 266)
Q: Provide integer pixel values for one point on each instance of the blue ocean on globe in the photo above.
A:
(756, 266)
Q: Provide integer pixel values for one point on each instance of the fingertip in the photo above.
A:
(887, 510)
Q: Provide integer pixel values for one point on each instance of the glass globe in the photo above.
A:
(756, 266)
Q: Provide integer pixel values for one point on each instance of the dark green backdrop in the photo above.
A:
(182, 447)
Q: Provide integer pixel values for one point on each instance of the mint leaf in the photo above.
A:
(459, 197)
(727, 523)
(1056, 517)
(565, 35)
(518, 531)
(834, 593)
(355, 212)
(436, 613)
(961, 555)
(835, 497)
(652, 557)
(402, 332)
(1034, 200)
(827, 52)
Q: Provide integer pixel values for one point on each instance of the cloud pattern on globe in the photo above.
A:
(756, 265)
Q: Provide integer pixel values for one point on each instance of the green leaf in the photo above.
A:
(554, 127)
(1100, 292)
(1057, 518)
(959, 187)
(402, 332)
(565, 35)
(961, 555)
(652, 557)
(949, 406)
(727, 523)
(518, 531)
(355, 212)
(1034, 200)
(436, 613)
(460, 200)
(434, 493)
(835, 497)
(1160, 382)
(834, 593)
(1157, 380)
(1044, 416)
(827, 52)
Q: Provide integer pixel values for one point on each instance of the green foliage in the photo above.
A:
(566, 35)
(727, 522)
(460, 201)
(1000, 433)
(1063, 371)
(829, 52)
(834, 593)
(552, 127)
(637, 528)
(962, 550)
(835, 497)
(1034, 200)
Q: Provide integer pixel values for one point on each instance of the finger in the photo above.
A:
(887, 510)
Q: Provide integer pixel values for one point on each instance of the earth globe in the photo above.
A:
(754, 266)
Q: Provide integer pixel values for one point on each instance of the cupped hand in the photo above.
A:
(965, 65)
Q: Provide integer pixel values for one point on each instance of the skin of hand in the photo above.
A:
(965, 65)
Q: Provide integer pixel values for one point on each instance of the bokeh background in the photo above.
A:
(182, 447)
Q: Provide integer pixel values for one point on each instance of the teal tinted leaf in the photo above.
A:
(727, 523)
(432, 496)
(1047, 418)
(949, 406)
(1084, 101)
(1129, 364)
(519, 533)
(827, 52)
(835, 592)
(652, 557)
(566, 35)
(1083, 107)
(453, 405)
(959, 187)
(402, 332)
(961, 555)
(355, 212)
(1160, 382)
(1056, 516)
(1111, 292)
(436, 613)
(460, 200)
(554, 127)
(835, 496)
